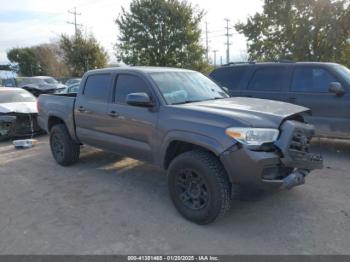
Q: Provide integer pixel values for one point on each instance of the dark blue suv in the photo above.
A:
(322, 87)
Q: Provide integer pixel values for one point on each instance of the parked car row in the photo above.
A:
(322, 87)
(38, 85)
(18, 110)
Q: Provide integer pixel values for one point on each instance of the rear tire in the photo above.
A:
(64, 150)
(199, 186)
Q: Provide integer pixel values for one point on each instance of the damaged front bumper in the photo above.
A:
(286, 166)
(18, 125)
(6, 127)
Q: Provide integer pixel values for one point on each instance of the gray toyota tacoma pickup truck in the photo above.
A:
(184, 123)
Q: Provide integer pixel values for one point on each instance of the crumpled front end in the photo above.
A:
(285, 164)
(294, 143)
(6, 127)
(18, 125)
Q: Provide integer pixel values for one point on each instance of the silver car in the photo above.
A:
(41, 85)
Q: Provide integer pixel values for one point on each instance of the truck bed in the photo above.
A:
(57, 106)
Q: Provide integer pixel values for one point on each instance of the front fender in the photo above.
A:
(206, 142)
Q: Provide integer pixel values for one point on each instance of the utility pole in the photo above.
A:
(207, 40)
(215, 51)
(220, 60)
(75, 20)
(228, 35)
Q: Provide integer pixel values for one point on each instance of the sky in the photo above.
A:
(31, 22)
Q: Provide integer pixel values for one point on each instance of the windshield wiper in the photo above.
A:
(187, 102)
(195, 101)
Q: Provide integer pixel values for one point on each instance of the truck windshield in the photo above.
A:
(15, 96)
(187, 87)
(344, 72)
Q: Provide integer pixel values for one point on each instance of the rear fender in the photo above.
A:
(69, 124)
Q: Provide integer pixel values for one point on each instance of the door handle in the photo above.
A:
(113, 114)
(81, 109)
(292, 99)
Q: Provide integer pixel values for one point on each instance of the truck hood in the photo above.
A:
(20, 107)
(250, 111)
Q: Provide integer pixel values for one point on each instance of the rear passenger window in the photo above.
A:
(128, 84)
(311, 79)
(269, 79)
(229, 77)
(97, 87)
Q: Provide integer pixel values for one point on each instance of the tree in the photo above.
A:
(49, 57)
(82, 53)
(42, 59)
(313, 30)
(28, 63)
(161, 33)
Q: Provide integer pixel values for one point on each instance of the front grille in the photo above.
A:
(300, 142)
(294, 144)
(299, 145)
(25, 124)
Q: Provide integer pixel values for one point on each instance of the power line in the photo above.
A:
(228, 35)
(75, 14)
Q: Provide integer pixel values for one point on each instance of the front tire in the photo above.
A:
(64, 150)
(199, 187)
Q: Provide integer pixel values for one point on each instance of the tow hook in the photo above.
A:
(297, 178)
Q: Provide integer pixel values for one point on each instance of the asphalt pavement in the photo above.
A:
(108, 204)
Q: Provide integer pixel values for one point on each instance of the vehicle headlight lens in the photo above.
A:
(253, 136)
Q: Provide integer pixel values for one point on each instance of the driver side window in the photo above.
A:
(128, 84)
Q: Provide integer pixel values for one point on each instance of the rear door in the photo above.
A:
(310, 88)
(268, 82)
(230, 77)
(131, 128)
(90, 109)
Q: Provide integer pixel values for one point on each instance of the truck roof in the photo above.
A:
(233, 64)
(142, 69)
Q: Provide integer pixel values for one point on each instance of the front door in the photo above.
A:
(132, 128)
(330, 113)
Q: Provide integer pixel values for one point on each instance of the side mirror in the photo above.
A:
(337, 88)
(139, 99)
